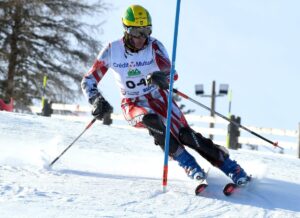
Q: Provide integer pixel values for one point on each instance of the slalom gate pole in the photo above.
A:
(169, 114)
(275, 144)
(229, 116)
(64, 151)
(44, 90)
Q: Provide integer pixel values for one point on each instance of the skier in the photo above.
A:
(141, 67)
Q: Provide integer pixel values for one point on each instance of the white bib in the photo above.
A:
(130, 69)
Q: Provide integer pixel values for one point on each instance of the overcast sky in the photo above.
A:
(251, 45)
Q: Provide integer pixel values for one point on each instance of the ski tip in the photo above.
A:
(229, 189)
(200, 188)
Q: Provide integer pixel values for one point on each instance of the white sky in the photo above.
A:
(251, 45)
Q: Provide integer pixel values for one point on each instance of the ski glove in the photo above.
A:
(101, 107)
(158, 78)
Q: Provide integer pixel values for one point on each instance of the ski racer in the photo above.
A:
(141, 67)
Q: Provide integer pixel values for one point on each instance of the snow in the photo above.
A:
(115, 171)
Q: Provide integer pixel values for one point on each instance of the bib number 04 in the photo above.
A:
(131, 84)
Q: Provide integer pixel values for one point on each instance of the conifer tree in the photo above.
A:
(46, 37)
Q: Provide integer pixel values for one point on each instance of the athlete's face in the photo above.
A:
(138, 42)
(138, 36)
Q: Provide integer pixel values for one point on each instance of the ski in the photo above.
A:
(201, 187)
(230, 188)
(203, 184)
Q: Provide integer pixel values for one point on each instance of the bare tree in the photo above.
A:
(46, 37)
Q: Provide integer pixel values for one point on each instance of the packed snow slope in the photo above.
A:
(113, 171)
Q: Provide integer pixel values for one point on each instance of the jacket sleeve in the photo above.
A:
(91, 79)
(162, 58)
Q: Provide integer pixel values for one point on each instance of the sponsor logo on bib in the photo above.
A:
(133, 64)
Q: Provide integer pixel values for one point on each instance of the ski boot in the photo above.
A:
(233, 170)
(189, 164)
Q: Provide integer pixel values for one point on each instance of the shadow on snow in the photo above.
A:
(262, 193)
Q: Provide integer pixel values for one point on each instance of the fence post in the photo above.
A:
(234, 133)
(298, 140)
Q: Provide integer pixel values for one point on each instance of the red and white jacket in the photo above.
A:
(129, 68)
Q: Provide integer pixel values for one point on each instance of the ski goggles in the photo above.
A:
(138, 32)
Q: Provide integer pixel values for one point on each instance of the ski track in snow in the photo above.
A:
(116, 172)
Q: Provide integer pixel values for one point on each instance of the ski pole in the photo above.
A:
(275, 144)
(86, 128)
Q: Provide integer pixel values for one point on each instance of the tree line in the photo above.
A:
(46, 37)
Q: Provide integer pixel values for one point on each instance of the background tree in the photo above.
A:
(39, 37)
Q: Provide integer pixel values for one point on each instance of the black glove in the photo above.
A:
(101, 107)
(158, 78)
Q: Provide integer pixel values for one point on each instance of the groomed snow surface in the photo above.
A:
(113, 171)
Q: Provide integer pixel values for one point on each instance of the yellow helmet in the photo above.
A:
(136, 16)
